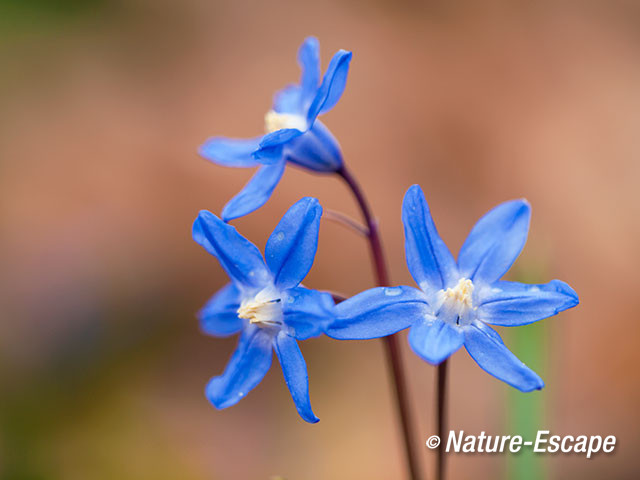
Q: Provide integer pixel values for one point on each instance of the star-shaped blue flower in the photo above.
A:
(265, 303)
(293, 132)
(457, 300)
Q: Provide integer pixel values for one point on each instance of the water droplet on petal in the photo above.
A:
(392, 291)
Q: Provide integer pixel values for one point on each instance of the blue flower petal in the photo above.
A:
(317, 149)
(377, 312)
(240, 258)
(307, 312)
(277, 138)
(292, 246)
(429, 260)
(295, 374)
(495, 242)
(512, 304)
(269, 155)
(309, 61)
(246, 369)
(230, 152)
(255, 193)
(332, 86)
(495, 359)
(435, 341)
(487, 330)
(219, 316)
(288, 100)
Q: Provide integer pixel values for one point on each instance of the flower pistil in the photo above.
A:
(264, 309)
(456, 304)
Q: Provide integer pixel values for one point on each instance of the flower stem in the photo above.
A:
(346, 221)
(441, 416)
(391, 342)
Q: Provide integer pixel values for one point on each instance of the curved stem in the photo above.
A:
(391, 342)
(346, 221)
(441, 416)
(377, 254)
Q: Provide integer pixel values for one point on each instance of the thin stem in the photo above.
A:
(377, 254)
(346, 221)
(391, 342)
(441, 416)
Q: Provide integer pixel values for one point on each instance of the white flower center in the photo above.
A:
(277, 121)
(265, 309)
(456, 304)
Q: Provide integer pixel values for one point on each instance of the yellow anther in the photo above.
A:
(461, 293)
(276, 121)
(263, 309)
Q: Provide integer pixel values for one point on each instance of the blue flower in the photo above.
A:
(293, 133)
(265, 303)
(457, 300)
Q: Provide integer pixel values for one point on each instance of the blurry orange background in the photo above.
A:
(104, 103)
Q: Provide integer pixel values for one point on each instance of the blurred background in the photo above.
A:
(104, 103)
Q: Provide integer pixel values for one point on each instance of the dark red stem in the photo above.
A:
(441, 417)
(391, 342)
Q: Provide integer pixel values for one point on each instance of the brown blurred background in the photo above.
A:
(104, 103)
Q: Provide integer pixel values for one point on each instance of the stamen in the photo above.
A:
(461, 293)
(456, 305)
(264, 309)
(264, 322)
